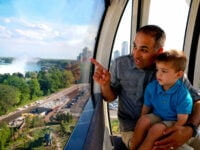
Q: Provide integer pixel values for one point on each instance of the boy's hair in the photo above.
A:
(156, 32)
(177, 58)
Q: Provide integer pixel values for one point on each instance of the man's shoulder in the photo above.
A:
(125, 60)
(124, 57)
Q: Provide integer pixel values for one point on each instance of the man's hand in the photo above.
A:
(101, 75)
(175, 137)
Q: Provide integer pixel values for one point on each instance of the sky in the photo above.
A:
(48, 28)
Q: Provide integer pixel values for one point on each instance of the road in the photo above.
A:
(68, 93)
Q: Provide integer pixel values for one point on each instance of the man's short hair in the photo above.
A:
(156, 32)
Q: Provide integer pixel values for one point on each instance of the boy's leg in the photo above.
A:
(155, 132)
(141, 129)
(127, 136)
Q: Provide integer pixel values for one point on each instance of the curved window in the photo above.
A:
(122, 39)
(121, 47)
(172, 17)
(44, 69)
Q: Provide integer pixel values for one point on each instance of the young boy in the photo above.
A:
(167, 98)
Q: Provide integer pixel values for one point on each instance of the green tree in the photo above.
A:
(63, 128)
(34, 87)
(43, 79)
(21, 84)
(68, 78)
(9, 96)
(56, 79)
(20, 75)
(37, 122)
(31, 75)
(5, 134)
(64, 117)
(4, 76)
(74, 67)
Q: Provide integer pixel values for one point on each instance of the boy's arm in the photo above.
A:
(181, 119)
(145, 110)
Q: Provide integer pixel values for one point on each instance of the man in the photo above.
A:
(128, 78)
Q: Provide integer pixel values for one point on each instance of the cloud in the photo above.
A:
(6, 20)
(4, 32)
(45, 39)
(23, 29)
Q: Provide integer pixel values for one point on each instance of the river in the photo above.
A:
(20, 66)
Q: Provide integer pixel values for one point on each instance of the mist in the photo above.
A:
(20, 65)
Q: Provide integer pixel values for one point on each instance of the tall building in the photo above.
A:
(116, 54)
(85, 55)
(124, 50)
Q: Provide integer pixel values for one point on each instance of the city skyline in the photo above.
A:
(123, 51)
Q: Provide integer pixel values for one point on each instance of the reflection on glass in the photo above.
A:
(44, 69)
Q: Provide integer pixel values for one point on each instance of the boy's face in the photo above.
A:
(144, 52)
(166, 75)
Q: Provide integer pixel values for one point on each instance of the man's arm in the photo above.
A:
(102, 77)
(195, 117)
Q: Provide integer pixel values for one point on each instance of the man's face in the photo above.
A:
(144, 52)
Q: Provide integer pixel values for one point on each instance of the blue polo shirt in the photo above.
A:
(167, 104)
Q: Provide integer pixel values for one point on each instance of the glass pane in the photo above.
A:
(121, 47)
(122, 40)
(44, 69)
(171, 15)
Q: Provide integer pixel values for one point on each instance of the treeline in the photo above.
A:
(17, 89)
(56, 63)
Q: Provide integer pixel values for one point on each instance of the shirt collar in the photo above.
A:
(172, 90)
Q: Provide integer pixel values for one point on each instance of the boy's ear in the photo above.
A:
(160, 50)
(180, 74)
